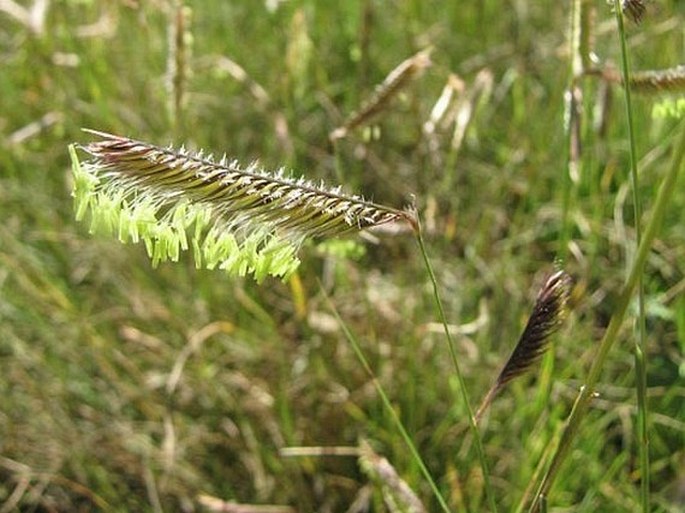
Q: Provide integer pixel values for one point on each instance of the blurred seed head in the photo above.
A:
(634, 9)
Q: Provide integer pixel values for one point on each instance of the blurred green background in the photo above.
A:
(127, 388)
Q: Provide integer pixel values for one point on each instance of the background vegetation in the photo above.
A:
(124, 388)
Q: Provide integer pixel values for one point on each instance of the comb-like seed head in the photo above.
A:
(265, 215)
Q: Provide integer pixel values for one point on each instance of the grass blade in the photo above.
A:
(635, 9)
(460, 377)
(388, 406)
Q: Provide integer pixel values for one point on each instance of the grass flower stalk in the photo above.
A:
(546, 318)
(584, 398)
(460, 377)
(242, 220)
(393, 83)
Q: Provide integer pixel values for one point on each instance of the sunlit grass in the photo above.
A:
(90, 334)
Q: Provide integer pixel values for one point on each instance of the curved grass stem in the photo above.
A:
(462, 384)
(388, 405)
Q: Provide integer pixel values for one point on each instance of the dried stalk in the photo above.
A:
(398, 495)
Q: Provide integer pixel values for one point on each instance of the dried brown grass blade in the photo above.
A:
(220, 506)
(463, 112)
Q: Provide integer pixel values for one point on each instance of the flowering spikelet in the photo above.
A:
(648, 81)
(243, 220)
(665, 80)
(635, 9)
(547, 317)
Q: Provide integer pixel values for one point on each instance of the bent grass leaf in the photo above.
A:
(241, 220)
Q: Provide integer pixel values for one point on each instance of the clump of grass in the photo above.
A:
(242, 220)
(51, 283)
(587, 391)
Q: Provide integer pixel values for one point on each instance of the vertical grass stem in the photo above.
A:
(462, 384)
(640, 342)
(582, 403)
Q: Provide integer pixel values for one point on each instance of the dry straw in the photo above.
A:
(397, 494)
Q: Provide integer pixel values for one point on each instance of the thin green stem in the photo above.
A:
(583, 400)
(388, 406)
(641, 340)
(462, 384)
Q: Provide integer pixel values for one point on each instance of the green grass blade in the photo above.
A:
(640, 342)
(462, 384)
(583, 399)
(388, 406)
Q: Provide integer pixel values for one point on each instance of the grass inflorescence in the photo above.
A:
(547, 316)
(237, 219)
(184, 388)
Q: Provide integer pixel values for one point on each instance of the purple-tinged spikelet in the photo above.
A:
(547, 317)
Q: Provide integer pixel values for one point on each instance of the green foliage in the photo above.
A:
(669, 108)
(127, 388)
